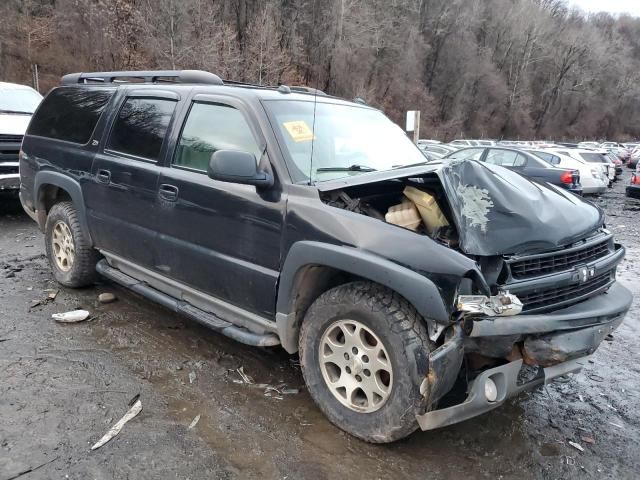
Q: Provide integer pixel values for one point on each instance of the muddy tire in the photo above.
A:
(364, 351)
(72, 259)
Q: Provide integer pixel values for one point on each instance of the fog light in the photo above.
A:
(490, 390)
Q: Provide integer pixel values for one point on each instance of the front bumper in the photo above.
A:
(599, 310)
(9, 181)
(562, 339)
(505, 378)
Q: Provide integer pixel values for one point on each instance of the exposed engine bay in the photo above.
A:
(416, 204)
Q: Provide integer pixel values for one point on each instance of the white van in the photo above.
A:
(17, 104)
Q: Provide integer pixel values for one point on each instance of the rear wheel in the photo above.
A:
(364, 352)
(72, 259)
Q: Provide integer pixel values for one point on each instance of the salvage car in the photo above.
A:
(524, 163)
(17, 104)
(281, 216)
(592, 179)
(633, 189)
(590, 156)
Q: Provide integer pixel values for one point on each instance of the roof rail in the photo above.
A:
(150, 76)
(303, 89)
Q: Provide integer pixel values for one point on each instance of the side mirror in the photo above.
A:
(237, 167)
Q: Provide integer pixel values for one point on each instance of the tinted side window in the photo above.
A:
(70, 113)
(141, 126)
(209, 128)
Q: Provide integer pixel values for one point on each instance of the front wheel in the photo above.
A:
(364, 351)
(72, 259)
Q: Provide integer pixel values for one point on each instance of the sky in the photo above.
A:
(612, 6)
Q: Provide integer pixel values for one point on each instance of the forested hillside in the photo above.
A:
(478, 68)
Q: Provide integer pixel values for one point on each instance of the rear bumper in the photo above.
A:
(560, 341)
(633, 191)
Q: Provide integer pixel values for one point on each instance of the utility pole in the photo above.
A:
(413, 124)
(34, 77)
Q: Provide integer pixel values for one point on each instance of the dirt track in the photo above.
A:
(63, 386)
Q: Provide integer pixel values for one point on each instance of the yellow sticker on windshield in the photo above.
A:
(299, 131)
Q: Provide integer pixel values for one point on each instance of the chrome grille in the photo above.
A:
(9, 148)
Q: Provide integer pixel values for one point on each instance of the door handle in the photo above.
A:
(168, 192)
(103, 176)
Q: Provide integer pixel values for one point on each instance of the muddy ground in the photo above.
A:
(63, 386)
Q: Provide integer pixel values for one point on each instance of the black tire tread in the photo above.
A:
(405, 322)
(83, 272)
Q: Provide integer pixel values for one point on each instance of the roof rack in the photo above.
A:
(150, 76)
(303, 89)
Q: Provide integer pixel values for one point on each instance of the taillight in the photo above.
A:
(567, 177)
(635, 179)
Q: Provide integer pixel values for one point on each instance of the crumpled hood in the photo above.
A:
(499, 212)
(11, 124)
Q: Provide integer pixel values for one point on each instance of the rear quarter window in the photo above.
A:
(70, 113)
(141, 126)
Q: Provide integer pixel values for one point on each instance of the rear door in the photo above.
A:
(121, 197)
(220, 238)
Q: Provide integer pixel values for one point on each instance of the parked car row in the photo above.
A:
(599, 163)
(525, 163)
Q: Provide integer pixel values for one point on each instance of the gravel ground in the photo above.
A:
(63, 386)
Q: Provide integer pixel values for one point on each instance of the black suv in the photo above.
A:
(284, 216)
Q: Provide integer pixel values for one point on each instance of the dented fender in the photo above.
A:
(421, 292)
(444, 365)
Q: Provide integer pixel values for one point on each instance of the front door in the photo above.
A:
(222, 239)
(122, 196)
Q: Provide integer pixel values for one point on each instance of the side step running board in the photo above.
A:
(205, 318)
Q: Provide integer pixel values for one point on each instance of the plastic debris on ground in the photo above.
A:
(576, 446)
(194, 422)
(273, 391)
(106, 297)
(73, 316)
(51, 294)
(245, 378)
(135, 409)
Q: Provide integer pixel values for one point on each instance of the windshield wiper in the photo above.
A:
(17, 112)
(352, 168)
(426, 162)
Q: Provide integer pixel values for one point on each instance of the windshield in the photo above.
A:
(19, 101)
(345, 140)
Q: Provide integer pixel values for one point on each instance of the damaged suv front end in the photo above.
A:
(513, 278)
(542, 294)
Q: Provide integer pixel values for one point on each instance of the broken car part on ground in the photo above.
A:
(494, 273)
